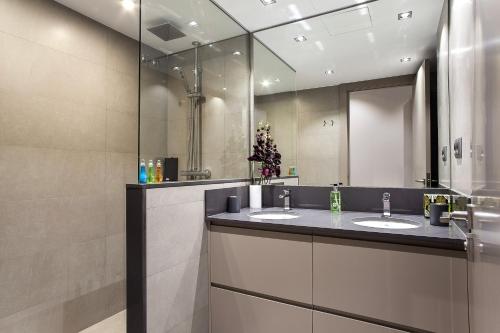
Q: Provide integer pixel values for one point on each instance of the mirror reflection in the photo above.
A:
(364, 101)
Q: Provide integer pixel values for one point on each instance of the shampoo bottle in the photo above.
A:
(335, 199)
(151, 172)
(143, 175)
(159, 173)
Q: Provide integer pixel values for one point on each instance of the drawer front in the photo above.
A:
(270, 263)
(232, 312)
(400, 284)
(328, 323)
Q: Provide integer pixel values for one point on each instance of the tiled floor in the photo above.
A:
(114, 324)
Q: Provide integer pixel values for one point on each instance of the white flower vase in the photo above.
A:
(255, 196)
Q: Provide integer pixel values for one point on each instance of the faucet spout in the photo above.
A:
(386, 200)
(286, 196)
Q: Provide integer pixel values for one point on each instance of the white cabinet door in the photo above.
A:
(270, 263)
(233, 312)
(410, 286)
(328, 323)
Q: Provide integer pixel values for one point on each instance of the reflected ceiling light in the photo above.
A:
(300, 38)
(265, 83)
(224, 88)
(128, 4)
(277, 80)
(371, 37)
(193, 24)
(176, 68)
(405, 59)
(237, 53)
(305, 25)
(295, 12)
(267, 2)
(405, 15)
(329, 72)
(319, 45)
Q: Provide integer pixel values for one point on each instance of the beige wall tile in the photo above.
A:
(115, 258)
(121, 132)
(122, 53)
(178, 231)
(176, 294)
(86, 267)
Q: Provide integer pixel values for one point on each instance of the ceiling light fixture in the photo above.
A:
(277, 80)
(236, 53)
(268, 2)
(193, 24)
(300, 39)
(176, 68)
(128, 4)
(405, 15)
(329, 72)
(405, 59)
(265, 83)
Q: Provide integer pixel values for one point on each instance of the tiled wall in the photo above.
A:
(68, 145)
(176, 259)
(165, 110)
(321, 148)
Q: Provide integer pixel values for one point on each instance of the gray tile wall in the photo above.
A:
(68, 145)
(177, 259)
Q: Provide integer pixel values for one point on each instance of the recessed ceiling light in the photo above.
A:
(267, 2)
(405, 59)
(265, 83)
(237, 53)
(405, 15)
(193, 24)
(277, 79)
(224, 88)
(176, 68)
(329, 72)
(128, 4)
(300, 38)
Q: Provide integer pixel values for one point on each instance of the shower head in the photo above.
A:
(166, 32)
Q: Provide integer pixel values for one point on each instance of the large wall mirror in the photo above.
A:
(359, 95)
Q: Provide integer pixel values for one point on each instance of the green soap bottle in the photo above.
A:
(335, 199)
(151, 172)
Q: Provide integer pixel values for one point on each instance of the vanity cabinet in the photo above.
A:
(329, 323)
(410, 286)
(270, 263)
(233, 312)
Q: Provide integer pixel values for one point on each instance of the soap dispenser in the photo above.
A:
(335, 199)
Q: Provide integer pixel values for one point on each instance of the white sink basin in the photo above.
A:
(386, 223)
(274, 215)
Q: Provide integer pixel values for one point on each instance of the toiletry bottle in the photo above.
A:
(151, 172)
(159, 173)
(335, 200)
(143, 175)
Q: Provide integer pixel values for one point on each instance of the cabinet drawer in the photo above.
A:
(233, 312)
(410, 286)
(328, 323)
(270, 263)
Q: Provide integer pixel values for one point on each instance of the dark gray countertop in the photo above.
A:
(326, 223)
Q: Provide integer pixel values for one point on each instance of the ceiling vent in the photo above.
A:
(348, 21)
(166, 32)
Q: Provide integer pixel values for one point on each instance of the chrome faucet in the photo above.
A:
(286, 196)
(386, 200)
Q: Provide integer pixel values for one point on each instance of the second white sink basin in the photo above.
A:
(274, 215)
(386, 223)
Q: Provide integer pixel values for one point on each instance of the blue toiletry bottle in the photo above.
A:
(143, 176)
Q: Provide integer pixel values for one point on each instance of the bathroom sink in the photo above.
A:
(274, 215)
(386, 223)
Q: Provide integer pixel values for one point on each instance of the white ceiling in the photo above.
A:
(213, 24)
(358, 44)
(253, 15)
(271, 75)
